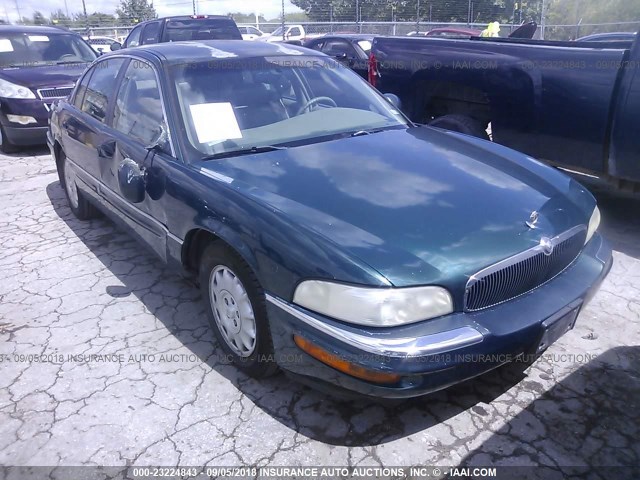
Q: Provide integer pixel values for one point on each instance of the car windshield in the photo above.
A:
(277, 31)
(200, 29)
(31, 49)
(242, 104)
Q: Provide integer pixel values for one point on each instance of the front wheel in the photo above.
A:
(5, 145)
(79, 205)
(237, 312)
(461, 124)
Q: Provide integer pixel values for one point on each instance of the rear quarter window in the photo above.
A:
(200, 29)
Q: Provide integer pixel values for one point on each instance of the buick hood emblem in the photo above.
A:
(547, 245)
(533, 220)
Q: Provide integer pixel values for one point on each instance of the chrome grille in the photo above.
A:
(55, 92)
(524, 272)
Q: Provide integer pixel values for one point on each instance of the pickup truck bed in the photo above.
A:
(571, 104)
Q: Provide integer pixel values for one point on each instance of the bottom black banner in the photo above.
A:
(317, 473)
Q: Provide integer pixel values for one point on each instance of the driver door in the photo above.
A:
(138, 121)
(341, 50)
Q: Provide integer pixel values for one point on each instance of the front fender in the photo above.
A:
(279, 250)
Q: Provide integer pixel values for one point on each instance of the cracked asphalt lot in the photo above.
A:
(70, 289)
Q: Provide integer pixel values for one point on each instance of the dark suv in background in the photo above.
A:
(37, 66)
(180, 29)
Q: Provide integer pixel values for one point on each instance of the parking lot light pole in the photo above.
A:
(18, 10)
(543, 20)
(283, 32)
(86, 18)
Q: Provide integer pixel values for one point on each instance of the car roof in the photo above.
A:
(462, 31)
(596, 36)
(33, 29)
(349, 36)
(188, 17)
(212, 50)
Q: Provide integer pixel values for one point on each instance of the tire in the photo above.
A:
(461, 124)
(80, 206)
(5, 145)
(236, 308)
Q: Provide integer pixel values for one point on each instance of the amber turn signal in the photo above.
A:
(342, 365)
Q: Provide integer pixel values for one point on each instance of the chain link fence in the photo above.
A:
(547, 32)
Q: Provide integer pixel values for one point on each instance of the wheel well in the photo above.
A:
(436, 99)
(194, 244)
(57, 150)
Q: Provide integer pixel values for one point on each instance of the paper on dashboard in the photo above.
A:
(215, 122)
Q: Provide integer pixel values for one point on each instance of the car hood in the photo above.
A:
(419, 205)
(44, 76)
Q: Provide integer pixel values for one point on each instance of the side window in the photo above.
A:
(133, 40)
(138, 111)
(80, 91)
(150, 33)
(333, 48)
(316, 45)
(295, 32)
(101, 87)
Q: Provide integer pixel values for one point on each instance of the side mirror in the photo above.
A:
(131, 181)
(160, 140)
(115, 46)
(393, 100)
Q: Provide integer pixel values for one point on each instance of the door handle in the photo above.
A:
(107, 149)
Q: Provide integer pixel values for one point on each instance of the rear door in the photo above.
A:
(624, 154)
(150, 33)
(84, 124)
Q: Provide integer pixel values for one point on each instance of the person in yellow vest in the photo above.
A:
(492, 30)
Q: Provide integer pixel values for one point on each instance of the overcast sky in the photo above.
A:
(270, 8)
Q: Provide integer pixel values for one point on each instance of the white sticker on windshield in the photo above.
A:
(5, 45)
(215, 122)
(38, 38)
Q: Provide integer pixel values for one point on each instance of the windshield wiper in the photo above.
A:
(68, 62)
(243, 151)
(360, 133)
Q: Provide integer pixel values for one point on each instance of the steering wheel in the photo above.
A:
(316, 100)
(66, 56)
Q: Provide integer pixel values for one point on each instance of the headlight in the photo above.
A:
(375, 307)
(594, 223)
(11, 90)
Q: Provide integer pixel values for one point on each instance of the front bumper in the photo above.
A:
(437, 353)
(24, 135)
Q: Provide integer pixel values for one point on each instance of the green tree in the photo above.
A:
(60, 19)
(100, 19)
(135, 11)
(247, 17)
(407, 10)
(39, 18)
(572, 12)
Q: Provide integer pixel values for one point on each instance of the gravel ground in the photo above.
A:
(70, 289)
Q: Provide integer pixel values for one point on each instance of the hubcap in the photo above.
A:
(232, 310)
(70, 185)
